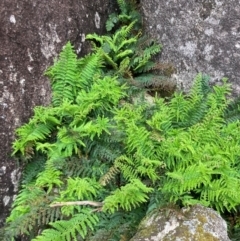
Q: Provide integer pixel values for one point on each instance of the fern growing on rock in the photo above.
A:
(126, 51)
(94, 158)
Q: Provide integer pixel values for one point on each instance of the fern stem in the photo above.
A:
(81, 203)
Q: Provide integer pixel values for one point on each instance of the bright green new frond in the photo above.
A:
(127, 197)
(123, 54)
(102, 96)
(129, 114)
(45, 115)
(69, 141)
(138, 139)
(190, 109)
(137, 166)
(122, 34)
(88, 68)
(64, 76)
(68, 230)
(190, 178)
(222, 195)
(126, 43)
(109, 60)
(36, 130)
(149, 168)
(50, 178)
(161, 120)
(179, 107)
(96, 38)
(80, 189)
(127, 167)
(28, 135)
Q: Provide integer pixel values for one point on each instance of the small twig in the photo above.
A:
(91, 203)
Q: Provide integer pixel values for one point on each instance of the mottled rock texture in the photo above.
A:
(195, 224)
(32, 33)
(197, 36)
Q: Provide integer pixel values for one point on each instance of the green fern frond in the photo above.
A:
(80, 189)
(22, 204)
(32, 169)
(141, 60)
(28, 135)
(161, 120)
(138, 139)
(68, 230)
(123, 34)
(123, 225)
(127, 167)
(102, 95)
(200, 86)
(63, 75)
(126, 42)
(127, 197)
(123, 54)
(185, 180)
(108, 59)
(96, 38)
(88, 68)
(232, 112)
(50, 178)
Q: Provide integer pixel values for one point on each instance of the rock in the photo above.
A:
(197, 36)
(197, 223)
(32, 33)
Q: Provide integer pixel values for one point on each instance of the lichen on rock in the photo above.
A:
(197, 36)
(197, 223)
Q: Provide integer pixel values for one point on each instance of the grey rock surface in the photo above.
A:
(32, 33)
(197, 36)
(197, 223)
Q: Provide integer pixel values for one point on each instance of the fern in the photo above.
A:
(64, 76)
(30, 210)
(127, 197)
(232, 113)
(126, 51)
(88, 190)
(102, 145)
(89, 68)
(70, 229)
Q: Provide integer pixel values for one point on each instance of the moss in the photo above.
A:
(202, 235)
(201, 218)
(151, 229)
(184, 232)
